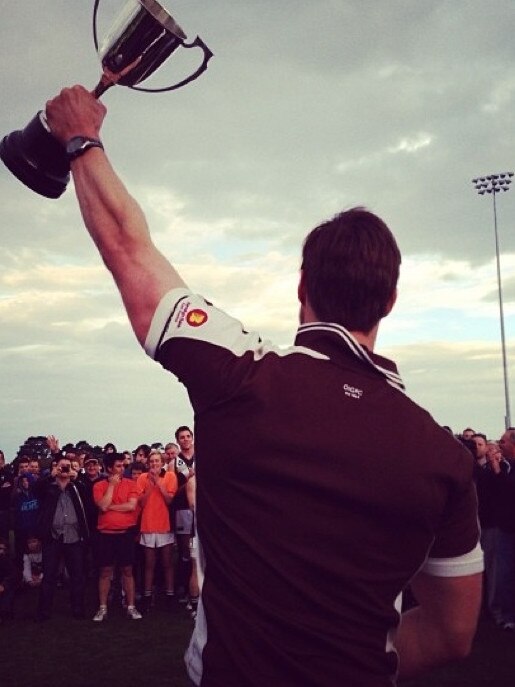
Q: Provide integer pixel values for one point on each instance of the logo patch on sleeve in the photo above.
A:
(196, 317)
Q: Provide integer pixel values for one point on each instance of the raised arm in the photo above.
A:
(113, 218)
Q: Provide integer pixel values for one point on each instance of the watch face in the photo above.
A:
(75, 144)
(78, 145)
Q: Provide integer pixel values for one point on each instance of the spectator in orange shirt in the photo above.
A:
(116, 498)
(156, 489)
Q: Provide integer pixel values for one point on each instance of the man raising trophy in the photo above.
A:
(308, 532)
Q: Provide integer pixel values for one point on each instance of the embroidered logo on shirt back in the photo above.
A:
(352, 391)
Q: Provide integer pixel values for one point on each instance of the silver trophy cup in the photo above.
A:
(143, 36)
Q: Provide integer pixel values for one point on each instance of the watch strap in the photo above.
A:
(78, 145)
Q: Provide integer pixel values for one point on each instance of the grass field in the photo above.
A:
(123, 653)
(63, 652)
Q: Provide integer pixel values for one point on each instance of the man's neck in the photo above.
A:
(368, 339)
(189, 453)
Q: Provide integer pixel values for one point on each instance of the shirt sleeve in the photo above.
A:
(468, 564)
(456, 550)
(171, 484)
(99, 489)
(132, 489)
(141, 484)
(210, 352)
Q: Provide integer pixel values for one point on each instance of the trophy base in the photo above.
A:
(37, 159)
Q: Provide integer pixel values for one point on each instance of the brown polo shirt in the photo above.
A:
(321, 490)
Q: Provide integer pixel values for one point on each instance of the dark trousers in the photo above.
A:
(5, 524)
(6, 603)
(73, 555)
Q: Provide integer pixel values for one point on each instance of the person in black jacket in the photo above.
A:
(6, 486)
(7, 582)
(505, 551)
(91, 475)
(63, 529)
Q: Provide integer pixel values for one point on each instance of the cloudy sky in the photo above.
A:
(308, 107)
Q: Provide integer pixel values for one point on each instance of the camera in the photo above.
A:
(65, 468)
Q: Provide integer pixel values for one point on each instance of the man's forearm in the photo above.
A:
(119, 229)
(104, 503)
(122, 507)
(113, 218)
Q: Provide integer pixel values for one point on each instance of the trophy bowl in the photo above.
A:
(141, 38)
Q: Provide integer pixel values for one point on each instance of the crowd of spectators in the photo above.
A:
(495, 483)
(124, 518)
(132, 523)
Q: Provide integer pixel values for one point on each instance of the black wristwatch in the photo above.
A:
(78, 145)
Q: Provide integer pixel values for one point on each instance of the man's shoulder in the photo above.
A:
(190, 324)
(100, 484)
(170, 478)
(77, 485)
(129, 486)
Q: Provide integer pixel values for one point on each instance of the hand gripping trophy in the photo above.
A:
(140, 40)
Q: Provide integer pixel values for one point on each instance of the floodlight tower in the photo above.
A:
(493, 184)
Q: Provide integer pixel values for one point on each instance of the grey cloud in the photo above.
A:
(460, 385)
(298, 115)
(82, 393)
(508, 292)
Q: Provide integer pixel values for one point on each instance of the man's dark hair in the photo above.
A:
(109, 459)
(182, 428)
(137, 467)
(470, 445)
(143, 447)
(351, 266)
(61, 458)
(480, 435)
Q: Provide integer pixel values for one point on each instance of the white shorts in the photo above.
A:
(184, 522)
(155, 540)
(194, 548)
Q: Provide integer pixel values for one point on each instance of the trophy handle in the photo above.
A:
(109, 79)
(197, 43)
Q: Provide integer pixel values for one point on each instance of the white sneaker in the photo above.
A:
(133, 613)
(100, 615)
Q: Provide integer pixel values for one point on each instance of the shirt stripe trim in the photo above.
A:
(392, 378)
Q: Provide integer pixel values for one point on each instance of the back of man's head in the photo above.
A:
(350, 267)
